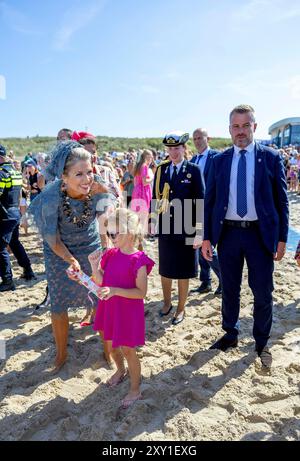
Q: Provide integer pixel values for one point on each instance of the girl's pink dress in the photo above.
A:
(141, 195)
(121, 319)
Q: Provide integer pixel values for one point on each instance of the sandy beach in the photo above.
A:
(189, 393)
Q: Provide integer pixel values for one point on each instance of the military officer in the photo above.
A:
(177, 207)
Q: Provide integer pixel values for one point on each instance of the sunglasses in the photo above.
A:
(111, 235)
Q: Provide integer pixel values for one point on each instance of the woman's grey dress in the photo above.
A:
(80, 241)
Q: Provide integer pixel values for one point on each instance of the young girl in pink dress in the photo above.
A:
(120, 319)
(142, 191)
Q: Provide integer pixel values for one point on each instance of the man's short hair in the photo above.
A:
(201, 130)
(242, 109)
(67, 131)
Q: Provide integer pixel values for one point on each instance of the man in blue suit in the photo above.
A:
(203, 159)
(246, 214)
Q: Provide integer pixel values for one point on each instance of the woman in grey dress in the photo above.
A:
(66, 216)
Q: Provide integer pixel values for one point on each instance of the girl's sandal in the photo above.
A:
(127, 402)
(112, 382)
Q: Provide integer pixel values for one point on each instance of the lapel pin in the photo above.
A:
(189, 175)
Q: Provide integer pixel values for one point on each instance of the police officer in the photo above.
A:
(177, 192)
(10, 191)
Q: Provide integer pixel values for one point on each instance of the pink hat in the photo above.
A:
(78, 135)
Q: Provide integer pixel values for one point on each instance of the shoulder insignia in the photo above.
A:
(164, 162)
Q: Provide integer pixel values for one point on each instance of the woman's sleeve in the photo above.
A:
(102, 202)
(44, 211)
(143, 260)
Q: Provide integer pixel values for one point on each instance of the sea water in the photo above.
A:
(293, 239)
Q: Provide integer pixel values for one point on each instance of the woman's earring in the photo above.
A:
(64, 187)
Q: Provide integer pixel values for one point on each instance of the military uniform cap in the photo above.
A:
(175, 138)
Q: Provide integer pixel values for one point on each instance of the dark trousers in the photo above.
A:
(9, 235)
(128, 200)
(237, 245)
(206, 266)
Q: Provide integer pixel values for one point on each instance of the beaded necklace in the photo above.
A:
(82, 219)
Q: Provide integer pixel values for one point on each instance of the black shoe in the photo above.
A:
(224, 343)
(28, 274)
(177, 320)
(7, 285)
(218, 291)
(265, 356)
(44, 303)
(162, 314)
(204, 288)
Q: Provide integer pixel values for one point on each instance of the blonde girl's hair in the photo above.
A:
(141, 161)
(128, 222)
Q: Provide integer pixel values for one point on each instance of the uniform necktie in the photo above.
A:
(241, 202)
(174, 175)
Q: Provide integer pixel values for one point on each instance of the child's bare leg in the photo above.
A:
(107, 349)
(118, 358)
(134, 368)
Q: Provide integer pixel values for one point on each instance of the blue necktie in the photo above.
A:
(241, 198)
(174, 175)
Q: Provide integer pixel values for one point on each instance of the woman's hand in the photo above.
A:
(105, 293)
(75, 266)
(73, 270)
(197, 242)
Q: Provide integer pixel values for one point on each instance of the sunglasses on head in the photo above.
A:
(112, 235)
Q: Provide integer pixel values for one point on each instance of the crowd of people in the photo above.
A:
(291, 160)
(210, 210)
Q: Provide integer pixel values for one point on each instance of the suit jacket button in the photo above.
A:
(171, 192)
(221, 222)
(225, 207)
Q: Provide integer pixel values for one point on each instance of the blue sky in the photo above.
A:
(137, 68)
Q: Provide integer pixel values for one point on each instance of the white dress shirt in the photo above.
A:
(250, 172)
(178, 166)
